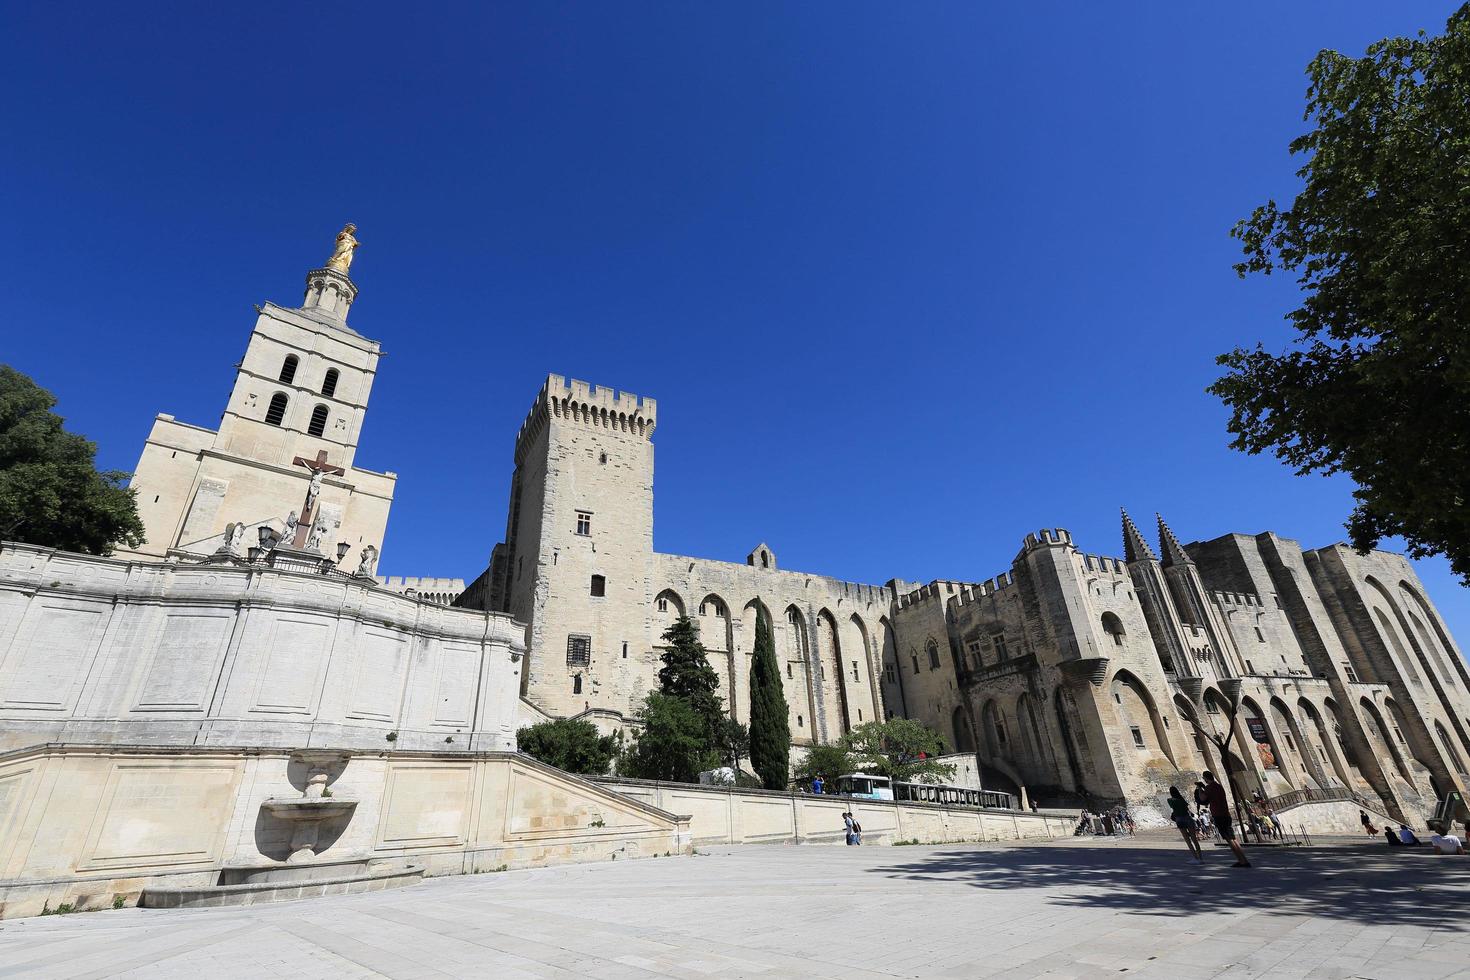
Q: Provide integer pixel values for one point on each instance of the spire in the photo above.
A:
(1174, 553)
(1134, 547)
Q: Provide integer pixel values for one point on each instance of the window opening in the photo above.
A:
(277, 411)
(579, 650)
(584, 522)
(318, 421)
(329, 383)
(1137, 736)
(288, 369)
(599, 586)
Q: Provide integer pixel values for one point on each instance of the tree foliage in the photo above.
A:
(901, 749)
(672, 743)
(51, 493)
(828, 761)
(569, 744)
(1376, 383)
(686, 674)
(770, 726)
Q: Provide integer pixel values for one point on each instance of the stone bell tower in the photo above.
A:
(297, 407)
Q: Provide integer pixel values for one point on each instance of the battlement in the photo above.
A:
(1048, 536)
(1102, 565)
(1246, 599)
(937, 590)
(984, 590)
(579, 402)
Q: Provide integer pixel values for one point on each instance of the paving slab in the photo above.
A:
(1077, 908)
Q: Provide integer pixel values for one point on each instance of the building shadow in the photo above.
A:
(1369, 884)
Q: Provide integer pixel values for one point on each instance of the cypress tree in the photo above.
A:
(687, 675)
(770, 731)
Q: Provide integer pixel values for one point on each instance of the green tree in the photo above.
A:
(829, 761)
(686, 674)
(734, 742)
(770, 726)
(51, 493)
(901, 749)
(569, 744)
(672, 743)
(1376, 383)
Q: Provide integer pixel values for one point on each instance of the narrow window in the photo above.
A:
(1117, 697)
(318, 421)
(933, 650)
(860, 714)
(579, 650)
(1000, 648)
(1352, 675)
(889, 674)
(703, 611)
(1260, 637)
(576, 683)
(625, 649)
(584, 522)
(1137, 736)
(1249, 667)
(799, 722)
(288, 369)
(1212, 707)
(789, 675)
(854, 670)
(599, 586)
(277, 412)
(915, 658)
(663, 604)
(329, 383)
(602, 459)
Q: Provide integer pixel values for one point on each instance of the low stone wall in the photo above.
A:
(725, 815)
(83, 825)
(1336, 817)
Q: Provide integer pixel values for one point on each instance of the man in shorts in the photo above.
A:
(1220, 814)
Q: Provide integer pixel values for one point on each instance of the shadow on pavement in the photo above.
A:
(1353, 882)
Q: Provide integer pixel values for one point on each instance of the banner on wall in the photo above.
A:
(1257, 728)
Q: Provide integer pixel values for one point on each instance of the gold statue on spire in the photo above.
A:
(346, 245)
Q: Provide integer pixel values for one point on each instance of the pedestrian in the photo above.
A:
(1201, 799)
(857, 833)
(1367, 824)
(1276, 824)
(1220, 814)
(817, 784)
(1184, 820)
(847, 822)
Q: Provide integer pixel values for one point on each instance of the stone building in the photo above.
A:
(300, 391)
(1081, 677)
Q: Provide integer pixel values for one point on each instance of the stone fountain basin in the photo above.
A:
(259, 884)
(308, 808)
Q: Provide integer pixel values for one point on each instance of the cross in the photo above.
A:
(308, 510)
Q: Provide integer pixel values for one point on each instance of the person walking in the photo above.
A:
(847, 822)
(1276, 827)
(857, 833)
(1220, 814)
(1184, 820)
(1371, 830)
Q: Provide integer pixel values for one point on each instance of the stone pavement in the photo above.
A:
(1066, 909)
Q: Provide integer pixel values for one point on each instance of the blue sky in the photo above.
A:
(908, 281)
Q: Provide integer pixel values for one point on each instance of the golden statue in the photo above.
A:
(346, 245)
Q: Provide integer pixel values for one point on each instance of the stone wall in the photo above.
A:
(103, 650)
(723, 815)
(85, 824)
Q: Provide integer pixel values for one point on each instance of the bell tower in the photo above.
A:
(300, 391)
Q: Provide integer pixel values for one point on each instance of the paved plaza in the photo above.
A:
(1065, 909)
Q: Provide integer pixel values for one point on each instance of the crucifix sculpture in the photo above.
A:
(318, 468)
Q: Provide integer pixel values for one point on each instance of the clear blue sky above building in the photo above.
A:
(908, 281)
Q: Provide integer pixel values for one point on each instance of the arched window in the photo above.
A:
(329, 383)
(288, 369)
(277, 412)
(1113, 626)
(932, 649)
(318, 421)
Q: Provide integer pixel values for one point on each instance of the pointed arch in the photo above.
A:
(1382, 741)
(1320, 744)
(1136, 707)
(964, 735)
